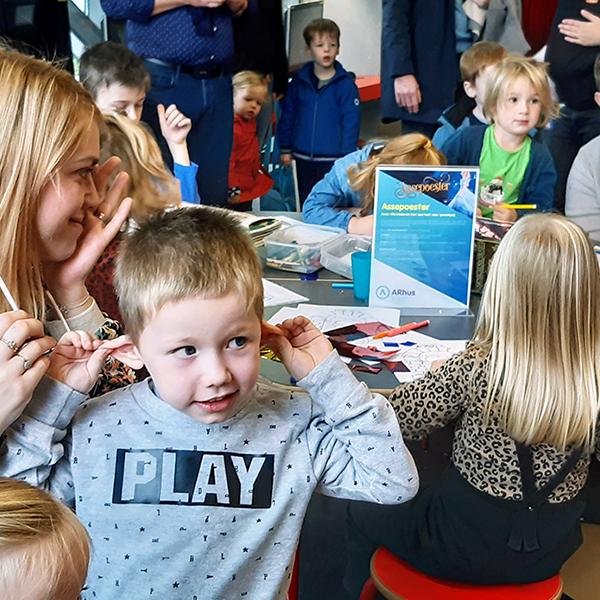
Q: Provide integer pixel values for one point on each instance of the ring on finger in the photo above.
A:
(11, 344)
(27, 364)
(101, 216)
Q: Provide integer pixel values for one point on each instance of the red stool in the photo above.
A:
(396, 580)
(294, 583)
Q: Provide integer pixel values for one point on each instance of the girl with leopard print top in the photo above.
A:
(525, 396)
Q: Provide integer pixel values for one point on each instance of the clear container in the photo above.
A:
(298, 248)
(335, 254)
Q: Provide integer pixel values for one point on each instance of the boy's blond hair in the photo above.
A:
(44, 549)
(508, 71)
(44, 113)
(407, 149)
(152, 187)
(248, 79)
(479, 56)
(187, 252)
(539, 323)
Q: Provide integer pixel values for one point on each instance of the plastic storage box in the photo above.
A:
(298, 248)
(335, 254)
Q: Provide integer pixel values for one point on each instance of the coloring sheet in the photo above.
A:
(332, 317)
(277, 294)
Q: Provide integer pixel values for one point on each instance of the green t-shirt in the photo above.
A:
(501, 172)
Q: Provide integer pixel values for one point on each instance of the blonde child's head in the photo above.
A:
(408, 149)
(152, 187)
(44, 549)
(539, 323)
(509, 73)
(44, 114)
(250, 91)
(477, 65)
(181, 254)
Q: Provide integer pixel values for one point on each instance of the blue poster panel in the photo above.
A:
(423, 236)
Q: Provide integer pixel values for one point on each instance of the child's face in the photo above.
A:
(518, 109)
(324, 48)
(478, 88)
(203, 355)
(122, 99)
(248, 100)
(64, 200)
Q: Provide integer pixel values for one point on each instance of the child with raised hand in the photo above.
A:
(525, 396)
(44, 549)
(119, 82)
(202, 465)
(515, 169)
(247, 177)
(344, 197)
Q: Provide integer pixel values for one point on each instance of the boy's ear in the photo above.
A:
(597, 98)
(126, 351)
(469, 89)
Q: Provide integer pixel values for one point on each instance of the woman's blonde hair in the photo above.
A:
(408, 149)
(44, 113)
(539, 324)
(42, 544)
(507, 72)
(152, 187)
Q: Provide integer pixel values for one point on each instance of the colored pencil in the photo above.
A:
(401, 329)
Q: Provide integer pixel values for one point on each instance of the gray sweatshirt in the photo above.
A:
(177, 509)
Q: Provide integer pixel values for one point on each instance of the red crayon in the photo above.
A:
(401, 329)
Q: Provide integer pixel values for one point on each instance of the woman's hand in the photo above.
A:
(78, 359)
(583, 33)
(298, 343)
(105, 215)
(361, 225)
(23, 362)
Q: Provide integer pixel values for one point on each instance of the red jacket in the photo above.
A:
(245, 170)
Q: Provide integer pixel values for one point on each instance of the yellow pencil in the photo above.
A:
(520, 206)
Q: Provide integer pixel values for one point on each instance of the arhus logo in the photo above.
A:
(401, 292)
(382, 292)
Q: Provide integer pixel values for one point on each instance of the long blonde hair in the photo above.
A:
(407, 149)
(152, 187)
(539, 324)
(44, 113)
(42, 544)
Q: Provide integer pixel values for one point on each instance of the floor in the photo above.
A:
(322, 545)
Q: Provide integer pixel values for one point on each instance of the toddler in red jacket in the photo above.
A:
(247, 177)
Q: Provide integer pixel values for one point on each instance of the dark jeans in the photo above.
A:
(569, 132)
(427, 129)
(309, 173)
(209, 104)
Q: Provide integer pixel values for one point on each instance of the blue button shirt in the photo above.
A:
(184, 35)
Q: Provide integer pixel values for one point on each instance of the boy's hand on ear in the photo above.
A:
(77, 360)
(298, 343)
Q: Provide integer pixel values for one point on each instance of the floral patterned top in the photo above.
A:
(485, 456)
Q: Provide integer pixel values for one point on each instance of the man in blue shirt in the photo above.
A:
(186, 46)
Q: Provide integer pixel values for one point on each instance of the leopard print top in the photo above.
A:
(485, 456)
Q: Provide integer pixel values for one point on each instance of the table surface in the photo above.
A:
(319, 291)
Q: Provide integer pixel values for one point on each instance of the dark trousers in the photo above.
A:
(309, 173)
(569, 132)
(209, 104)
(427, 129)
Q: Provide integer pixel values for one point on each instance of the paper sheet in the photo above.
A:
(332, 317)
(276, 294)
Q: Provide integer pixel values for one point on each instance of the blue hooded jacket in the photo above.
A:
(320, 123)
(327, 201)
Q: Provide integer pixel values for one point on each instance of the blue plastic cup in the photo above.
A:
(361, 274)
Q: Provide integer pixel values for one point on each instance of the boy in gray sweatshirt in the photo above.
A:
(194, 482)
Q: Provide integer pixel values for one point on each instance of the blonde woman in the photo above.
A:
(44, 549)
(57, 213)
(344, 197)
(151, 186)
(525, 396)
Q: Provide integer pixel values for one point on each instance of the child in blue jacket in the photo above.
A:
(514, 168)
(320, 118)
